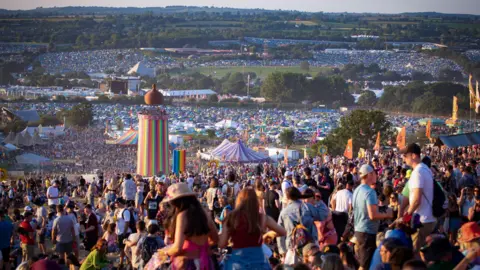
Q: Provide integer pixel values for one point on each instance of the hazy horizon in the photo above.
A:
(353, 6)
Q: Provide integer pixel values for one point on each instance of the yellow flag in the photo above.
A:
(472, 92)
(455, 109)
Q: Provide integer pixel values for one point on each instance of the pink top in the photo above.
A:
(189, 246)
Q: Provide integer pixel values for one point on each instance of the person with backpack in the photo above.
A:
(123, 218)
(298, 220)
(231, 188)
(421, 195)
(212, 195)
(148, 245)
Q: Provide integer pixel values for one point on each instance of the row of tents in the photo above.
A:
(24, 140)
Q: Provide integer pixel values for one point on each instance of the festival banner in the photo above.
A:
(361, 153)
(377, 143)
(428, 131)
(349, 150)
(401, 138)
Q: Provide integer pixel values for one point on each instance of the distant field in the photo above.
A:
(53, 19)
(307, 23)
(261, 72)
(393, 22)
(209, 23)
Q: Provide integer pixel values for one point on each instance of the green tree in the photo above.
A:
(286, 137)
(49, 120)
(367, 98)
(119, 123)
(211, 134)
(80, 115)
(305, 66)
(213, 99)
(361, 126)
(274, 88)
(103, 99)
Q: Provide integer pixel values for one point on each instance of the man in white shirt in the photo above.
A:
(231, 185)
(190, 181)
(123, 230)
(53, 195)
(287, 183)
(129, 189)
(342, 200)
(420, 195)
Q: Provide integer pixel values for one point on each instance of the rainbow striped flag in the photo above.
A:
(179, 161)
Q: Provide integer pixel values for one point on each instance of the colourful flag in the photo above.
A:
(361, 153)
(477, 99)
(349, 150)
(455, 109)
(285, 156)
(401, 137)
(377, 143)
(472, 92)
(428, 131)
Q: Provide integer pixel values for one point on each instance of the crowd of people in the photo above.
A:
(415, 208)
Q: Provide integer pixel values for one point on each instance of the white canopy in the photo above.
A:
(227, 124)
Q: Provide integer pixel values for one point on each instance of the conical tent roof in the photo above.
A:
(27, 139)
(18, 141)
(238, 152)
(36, 139)
(10, 137)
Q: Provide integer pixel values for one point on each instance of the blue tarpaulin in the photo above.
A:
(460, 140)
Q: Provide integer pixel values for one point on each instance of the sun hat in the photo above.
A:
(468, 232)
(364, 170)
(288, 173)
(178, 190)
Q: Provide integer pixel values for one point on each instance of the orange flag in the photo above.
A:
(472, 92)
(455, 109)
(349, 150)
(377, 143)
(429, 129)
(285, 156)
(401, 137)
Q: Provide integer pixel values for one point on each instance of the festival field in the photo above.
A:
(261, 72)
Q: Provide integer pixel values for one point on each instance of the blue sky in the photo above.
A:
(381, 6)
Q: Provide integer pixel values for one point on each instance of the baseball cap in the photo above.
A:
(364, 170)
(28, 209)
(469, 231)
(412, 148)
(288, 173)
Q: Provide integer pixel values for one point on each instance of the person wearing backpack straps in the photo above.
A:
(421, 195)
(149, 244)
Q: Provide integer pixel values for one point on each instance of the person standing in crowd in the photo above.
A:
(212, 194)
(286, 184)
(91, 192)
(420, 194)
(297, 212)
(190, 228)
(466, 201)
(123, 217)
(308, 180)
(366, 216)
(6, 237)
(110, 191)
(231, 188)
(53, 195)
(226, 209)
(474, 211)
(41, 216)
(63, 233)
(272, 201)
(27, 237)
(139, 195)
(244, 228)
(129, 190)
(91, 227)
(325, 184)
(342, 205)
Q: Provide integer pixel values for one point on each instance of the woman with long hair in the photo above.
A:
(454, 218)
(190, 229)
(245, 227)
(97, 258)
(260, 192)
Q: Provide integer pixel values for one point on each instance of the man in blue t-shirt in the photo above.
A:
(6, 233)
(366, 215)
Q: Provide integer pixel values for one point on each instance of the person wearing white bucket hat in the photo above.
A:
(190, 228)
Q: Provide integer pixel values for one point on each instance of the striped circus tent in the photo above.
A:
(237, 152)
(128, 138)
(27, 139)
